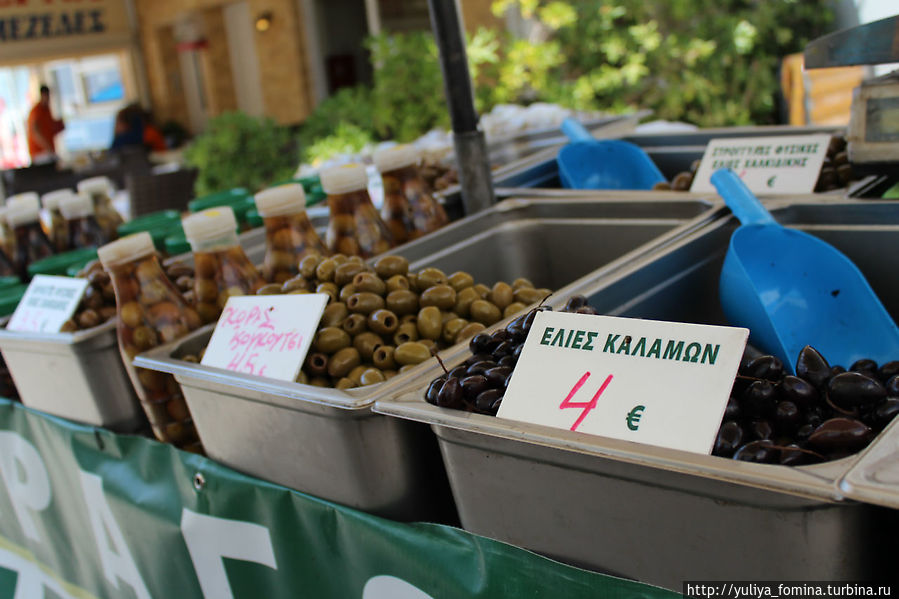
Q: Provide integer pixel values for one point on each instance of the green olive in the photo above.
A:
(389, 373)
(428, 277)
(331, 339)
(364, 302)
(397, 282)
(334, 314)
(485, 312)
(464, 298)
(402, 302)
(132, 314)
(346, 291)
(372, 376)
(413, 318)
(329, 288)
(446, 316)
(430, 322)
(369, 281)
(407, 331)
(302, 378)
(513, 308)
(388, 266)
(70, 326)
(270, 289)
(521, 282)
(451, 329)
(316, 363)
(343, 361)
(529, 295)
(345, 383)
(325, 269)
(469, 331)
(383, 322)
(412, 279)
(442, 296)
(309, 264)
(206, 290)
(501, 295)
(356, 373)
(208, 312)
(411, 352)
(297, 282)
(383, 357)
(366, 343)
(460, 280)
(355, 324)
(430, 344)
(299, 292)
(483, 290)
(144, 337)
(407, 367)
(346, 272)
(319, 381)
(340, 259)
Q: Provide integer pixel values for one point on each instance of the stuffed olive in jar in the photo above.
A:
(289, 234)
(23, 216)
(57, 230)
(99, 190)
(354, 227)
(83, 230)
(409, 209)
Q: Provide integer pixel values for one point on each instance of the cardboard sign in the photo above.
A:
(767, 165)
(654, 382)
(47, 304)
(265, 335)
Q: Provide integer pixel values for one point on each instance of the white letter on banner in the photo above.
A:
(114, 554)
(391, 587)
(209, 539)
(32, 490)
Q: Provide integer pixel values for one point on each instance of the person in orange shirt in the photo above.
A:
(42, 127)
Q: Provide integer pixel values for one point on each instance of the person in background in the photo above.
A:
(133, 128)
(42, 127)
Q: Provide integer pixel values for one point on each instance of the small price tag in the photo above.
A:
(47, 304)
(265, 335)
(782, 164)
(654, 382)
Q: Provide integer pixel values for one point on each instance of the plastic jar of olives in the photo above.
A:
(409, 209)
(354, 227)
(23, 215)
(289, 234)
(151, 311)
(7, 239)
(57, 231)
(222, 269)
(98, 189)
(83, 230)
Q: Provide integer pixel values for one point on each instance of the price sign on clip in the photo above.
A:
(654, 382)
(265, 335)
(47, 304)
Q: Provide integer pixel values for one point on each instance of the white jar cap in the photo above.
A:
(126, 249)
(95, 185)
(281, 200)
(22, 209)
(209, 224)
(389, 159)
(52, 199)
(76, 205)
(19, 196)
(344, 179)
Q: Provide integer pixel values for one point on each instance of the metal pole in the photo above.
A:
(468, 139)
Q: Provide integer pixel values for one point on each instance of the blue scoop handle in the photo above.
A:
(575, 131)
(739, 199)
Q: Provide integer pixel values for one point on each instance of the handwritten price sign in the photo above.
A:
(265, 335)
(47, 304)
(660, 383)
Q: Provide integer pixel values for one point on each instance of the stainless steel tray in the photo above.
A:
(79, 376)
(247, 422)
(659, 515)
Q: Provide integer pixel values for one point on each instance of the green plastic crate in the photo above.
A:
(60, 263)
(10, 298)
(155, 220)
(177, 244)
(222, 198)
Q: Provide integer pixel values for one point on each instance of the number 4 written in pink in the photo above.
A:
(587, 405)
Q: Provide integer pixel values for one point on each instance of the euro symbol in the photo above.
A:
(633, 417)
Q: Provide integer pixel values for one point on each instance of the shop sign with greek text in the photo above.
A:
(767, 165)
(47, 304)
(654, 382)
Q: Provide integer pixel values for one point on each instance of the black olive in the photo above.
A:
(732, 411)
(787, 417)
(473, 385)
(799, 391)
(434, 389)
(758, 400)
(865, 366)
(481, 367)
(761, 451)
(839, 435)
(730, 437)
(765, 367)
(487, 398)
(450, 395)
(851, 389)
(761, 429)
(888, 370)
(812, 366)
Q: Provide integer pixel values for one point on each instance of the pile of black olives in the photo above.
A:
(479, 383)
(824, 413)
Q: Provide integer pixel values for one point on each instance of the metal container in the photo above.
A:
(654, 514)
(321, 440)
(79, 376)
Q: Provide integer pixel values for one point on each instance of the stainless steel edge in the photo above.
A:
(875, 476)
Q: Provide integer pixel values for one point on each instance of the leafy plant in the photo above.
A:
(349, 105)
(347, 138)
(238, 150)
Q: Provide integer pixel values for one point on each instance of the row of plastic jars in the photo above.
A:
(99, 190)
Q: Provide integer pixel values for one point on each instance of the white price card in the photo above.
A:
(265, 335)
(654, 382)
(767, 165)
(47, 304)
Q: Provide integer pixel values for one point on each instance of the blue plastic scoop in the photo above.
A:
(790, 289)
(588, 163)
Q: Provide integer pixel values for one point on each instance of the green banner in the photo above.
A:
(88, 513)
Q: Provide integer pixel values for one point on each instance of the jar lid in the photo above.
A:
(344, 179)
(19, 196)
(23, 208)
(51, 199)
(95, 185)
(126, 249)
(289, 198)
(76, 205)
(209, 224)
(392, 158)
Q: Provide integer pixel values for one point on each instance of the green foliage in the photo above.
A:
(349, 105)
(237, 150)
(346, 138)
